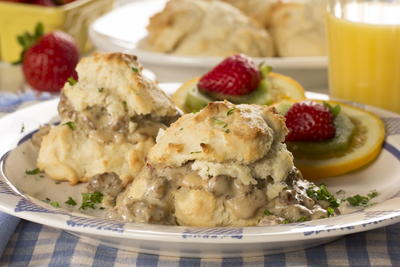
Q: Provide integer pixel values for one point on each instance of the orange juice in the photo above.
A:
(364, 53)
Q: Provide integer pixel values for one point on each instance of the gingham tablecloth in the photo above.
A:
(24, 243)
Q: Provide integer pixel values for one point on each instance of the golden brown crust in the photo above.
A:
(109, 121)
(221, 132)
(298, 29)
(206, 28)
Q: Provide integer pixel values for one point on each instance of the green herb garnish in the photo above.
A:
(195, 152)
(55, 204)
(135, 69)
(230, 111)
(125, 105)
(100, 90)
(33, 172)
(330, 211)
(286, 221)
(372, 194)
(323, 194)
(71, 81)
(303, 219)
(267, 212)
(89, 200)
(227, 131)
(70, 201)
(71, 125)
(358, 200)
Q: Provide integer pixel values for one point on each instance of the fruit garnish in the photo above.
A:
(49, 60)
(357, 142)
(190, 99)
(309, 121)
(235, 75)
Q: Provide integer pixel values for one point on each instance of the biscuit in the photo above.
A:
(206, 28)
(222, 166)
(298, 29)
(109, 120)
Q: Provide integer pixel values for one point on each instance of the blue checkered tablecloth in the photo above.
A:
(23, 243)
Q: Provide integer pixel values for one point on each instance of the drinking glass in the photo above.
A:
(364, 51)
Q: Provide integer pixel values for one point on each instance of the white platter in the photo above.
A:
(124, 30)
(22, 195)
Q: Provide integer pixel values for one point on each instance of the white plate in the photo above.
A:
(124, 30)
(21, 195)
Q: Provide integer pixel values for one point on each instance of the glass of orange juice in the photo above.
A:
(364, 51)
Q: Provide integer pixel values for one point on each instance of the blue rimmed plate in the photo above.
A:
(25, 196)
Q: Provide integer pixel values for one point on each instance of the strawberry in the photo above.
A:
(235, 75)
(43, 2)
(49, 60)
(309, 121)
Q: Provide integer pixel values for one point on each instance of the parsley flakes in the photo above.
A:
(100, 90)
(230, 111)
(55, 204)
(71, 125)
(33, 172)
(70, 201)
(359, 200)
(89, 200)
(323, 194)
(71, 81)
(267, 212)
(135, 69)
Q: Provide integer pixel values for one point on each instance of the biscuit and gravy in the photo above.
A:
(109, 120)
(223, 166)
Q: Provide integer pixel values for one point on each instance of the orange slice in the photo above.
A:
(365, 146)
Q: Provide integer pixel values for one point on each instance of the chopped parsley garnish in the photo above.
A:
(359, 200)
(58, 182)
(323, 194)
(180, 129)
(72, 81)
(220, 122)
(286, 221)
(22, 128)
(125, 105)
(89, 200)
(71, 125)
(135, 69)
(267, 212)
(230, 111)
(303, 219)
(100, 90)
(195, 152)
(55, 204)
(330, 211)
(372, 194)
(33, 172)
(227, 131)
(70, 201)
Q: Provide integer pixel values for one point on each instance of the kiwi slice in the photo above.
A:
(340, 142)
(259, 96)
(195, 100)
